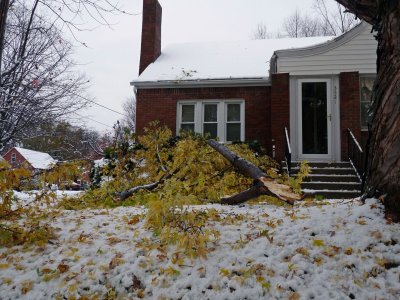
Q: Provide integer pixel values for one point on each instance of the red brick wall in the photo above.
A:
(349, 108)
(161, 104)
(151, 33)
(280, 112)
(19, 158)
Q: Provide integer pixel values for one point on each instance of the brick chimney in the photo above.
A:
(151, 33)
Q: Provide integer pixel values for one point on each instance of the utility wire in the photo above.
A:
(94, 102)
(93, 120)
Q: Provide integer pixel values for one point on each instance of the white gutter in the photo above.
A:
(235, 82)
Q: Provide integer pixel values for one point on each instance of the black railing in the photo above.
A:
(288, 152)
(355, 154)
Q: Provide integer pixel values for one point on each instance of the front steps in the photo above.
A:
(330, 180)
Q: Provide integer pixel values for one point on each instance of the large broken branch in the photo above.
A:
(263, 184)
(126, 194)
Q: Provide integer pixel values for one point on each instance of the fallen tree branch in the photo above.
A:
(126, 194)
(263, 184)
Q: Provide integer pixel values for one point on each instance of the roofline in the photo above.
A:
(236, 82)
(324, 47)
(19, 154)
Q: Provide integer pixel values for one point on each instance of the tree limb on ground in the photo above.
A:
(263, 184)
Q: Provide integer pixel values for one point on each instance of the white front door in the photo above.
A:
(314, 119)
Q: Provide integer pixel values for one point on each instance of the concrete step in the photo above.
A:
(332, 178)
(333, 186)
(331, 194)
(327, 171)
(336, 180)
(344, 164)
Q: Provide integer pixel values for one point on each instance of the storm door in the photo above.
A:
(314, 119)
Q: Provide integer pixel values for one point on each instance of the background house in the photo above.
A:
(252, 90)
(37, 161)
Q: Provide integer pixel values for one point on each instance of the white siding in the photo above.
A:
(357, 54)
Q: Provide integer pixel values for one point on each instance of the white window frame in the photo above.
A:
(222, 116)
(13, 157)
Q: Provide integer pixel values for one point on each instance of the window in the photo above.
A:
(218, 119)
(13, 157)
(187, 122)
(366, 85)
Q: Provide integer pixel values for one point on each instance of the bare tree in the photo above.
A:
(298, 25)
(39, 83)
(65, 12)
(334, 21)
(329, 21)
(261, 32)
(129, 107)
(292, 24)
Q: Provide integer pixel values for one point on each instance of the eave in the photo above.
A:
(230, 82)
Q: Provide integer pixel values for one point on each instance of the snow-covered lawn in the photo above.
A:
(337, 251)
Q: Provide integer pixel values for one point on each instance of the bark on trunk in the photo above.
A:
(263, 185)
(383, 172)
(4, 4)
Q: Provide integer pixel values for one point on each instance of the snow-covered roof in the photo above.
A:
(219, 60)
(38, 160)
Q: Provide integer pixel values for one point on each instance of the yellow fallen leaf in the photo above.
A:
(318, 243)
(26, 286)
(348, 251)
(4, 266)
(224, 272)
(7, 280)
(303, 251)
(294, 296)
(63, 268)
(318, 261)
(362, 222)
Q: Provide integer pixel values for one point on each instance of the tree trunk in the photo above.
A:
(383, 170)
(4, 4)
(263, 185)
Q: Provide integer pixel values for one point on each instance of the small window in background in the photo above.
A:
(187, 123)
(210, 121)
(366, 86)
(13, 157)
(233, 122)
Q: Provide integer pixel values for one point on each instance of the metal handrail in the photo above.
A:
(355, 154)
(288, 152)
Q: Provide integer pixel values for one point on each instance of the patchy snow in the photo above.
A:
(38, 160)
(27, 197)
(342, 250)
(220, 60)
(99, 163)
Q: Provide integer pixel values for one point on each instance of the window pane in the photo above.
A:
(188, 113)
(366, 85)
(210, 112)
(212, 129)
(364, 113)
(187, 127)
(233, 112)
(314, 117)
(232, 132)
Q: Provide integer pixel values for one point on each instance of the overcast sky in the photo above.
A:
(112, 58)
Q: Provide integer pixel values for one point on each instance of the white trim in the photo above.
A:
(221, 115)
(324, 47)
(229, 82)
(329, 155)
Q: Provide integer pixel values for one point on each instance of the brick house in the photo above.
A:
(315, 87)
(34, 160)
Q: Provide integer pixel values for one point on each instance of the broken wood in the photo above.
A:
(263, 184)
